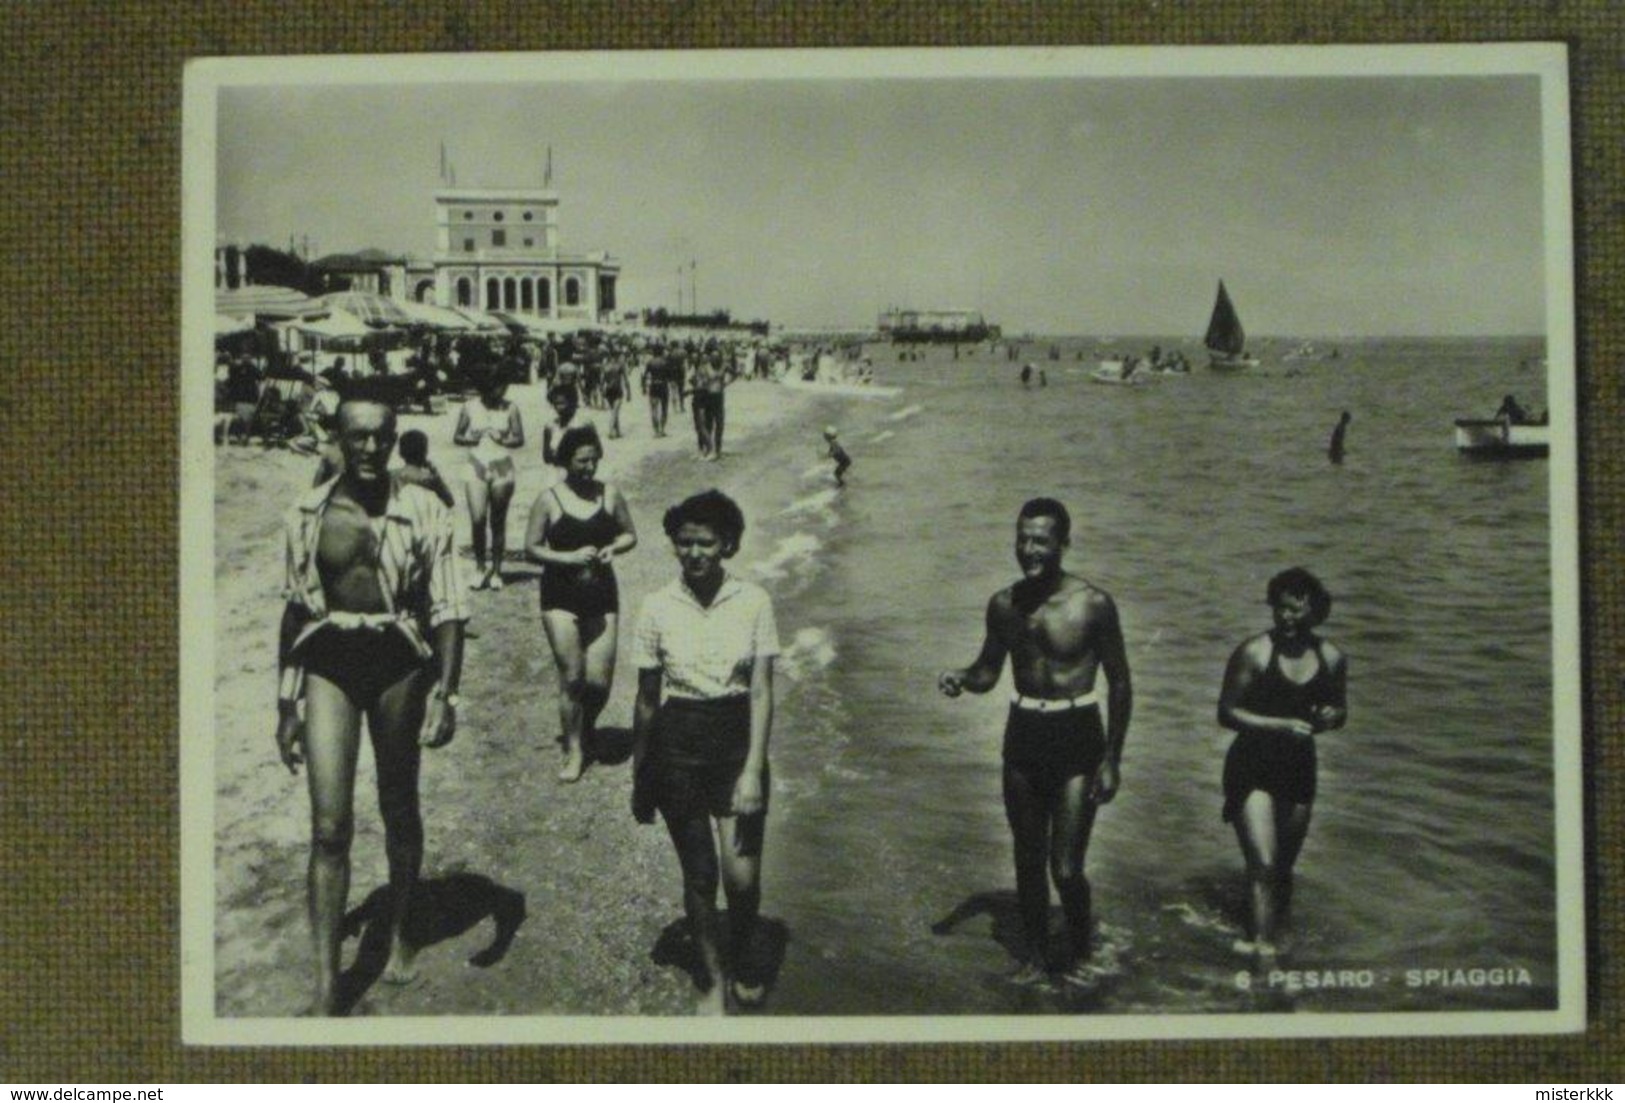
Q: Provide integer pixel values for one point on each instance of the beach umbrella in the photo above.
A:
(560, 326)
(374, 310)
(538, 327)
(481, 321)
(265, 300)
(513, 322)
(333, 325)
(436, 317)
(225, 325)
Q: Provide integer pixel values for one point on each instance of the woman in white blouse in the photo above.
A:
(707, 641)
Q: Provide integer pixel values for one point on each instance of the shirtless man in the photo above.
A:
(711, 379)
(1060, 761)
(373, 627)
(657, 385)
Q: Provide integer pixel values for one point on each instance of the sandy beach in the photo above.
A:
(537, 898)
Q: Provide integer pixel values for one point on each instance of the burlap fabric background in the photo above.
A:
(91, 100)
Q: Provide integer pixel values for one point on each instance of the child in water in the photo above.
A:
(838, 454)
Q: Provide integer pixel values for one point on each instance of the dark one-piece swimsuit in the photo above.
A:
(588, 590)
(1279, 763)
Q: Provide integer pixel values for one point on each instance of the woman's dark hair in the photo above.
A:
(713, 509)
(491, 382)
(1298, 582)
(572, 440)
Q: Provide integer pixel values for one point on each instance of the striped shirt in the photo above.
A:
(705, 652)
(418, 571)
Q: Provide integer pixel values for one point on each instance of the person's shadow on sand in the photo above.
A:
(1001, 906)
(610, 746)
(443, 908)
(675, 948)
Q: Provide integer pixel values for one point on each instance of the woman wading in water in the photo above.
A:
(1281, 687)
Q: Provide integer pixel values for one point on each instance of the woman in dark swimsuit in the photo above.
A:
(1280, 688)
(577, 527)
(615, 387)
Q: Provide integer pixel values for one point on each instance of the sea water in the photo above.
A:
(1431, 848)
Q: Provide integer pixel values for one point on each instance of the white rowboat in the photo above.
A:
(1495, 438)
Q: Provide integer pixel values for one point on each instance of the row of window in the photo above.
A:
(468, 216)
(525, 293)
(499, 240)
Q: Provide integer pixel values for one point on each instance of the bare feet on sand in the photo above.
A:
(713, 1002)
(574, 765)
(1028, 975)
(1265, 952)
(401, 968)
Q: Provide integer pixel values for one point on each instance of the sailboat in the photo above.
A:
(1226, 341)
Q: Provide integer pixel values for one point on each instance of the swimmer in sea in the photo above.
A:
(1334, 449)
(1060, 757)
(1281, 687)
(838, 454)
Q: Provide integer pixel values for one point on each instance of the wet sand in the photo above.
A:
(537, 897)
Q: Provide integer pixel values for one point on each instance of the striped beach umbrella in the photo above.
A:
(374, 310)
(266, 300)
(436, 317)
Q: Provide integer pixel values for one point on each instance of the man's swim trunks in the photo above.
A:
(363, 663)
(1053, 747)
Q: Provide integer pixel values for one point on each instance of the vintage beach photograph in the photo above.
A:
(879, 545)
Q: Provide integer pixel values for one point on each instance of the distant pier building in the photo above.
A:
(935, 326)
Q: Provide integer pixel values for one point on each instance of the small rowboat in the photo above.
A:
(1110, 372)
(1497, 439)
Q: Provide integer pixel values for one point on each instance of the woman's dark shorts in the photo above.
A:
(698, 750)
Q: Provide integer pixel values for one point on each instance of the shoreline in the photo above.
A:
(518, 913)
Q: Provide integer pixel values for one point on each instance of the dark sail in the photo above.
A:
(1224, 332)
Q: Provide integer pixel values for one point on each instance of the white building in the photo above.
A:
(498, 249)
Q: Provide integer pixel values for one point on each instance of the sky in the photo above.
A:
(1330, 206)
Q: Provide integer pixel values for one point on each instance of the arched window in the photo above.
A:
(423, 291)
(465, 292)
(544, 294)
(510, 294)
(572, 291)
(493, 294)
(527, 295)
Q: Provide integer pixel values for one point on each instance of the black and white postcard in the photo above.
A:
(871, 545)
